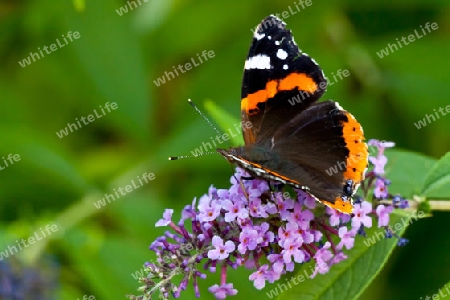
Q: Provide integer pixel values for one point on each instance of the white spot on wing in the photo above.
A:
(259, 36)
(281, 54)
(285, 67)
(259, 61)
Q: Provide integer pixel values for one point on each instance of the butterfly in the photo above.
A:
(317, 147)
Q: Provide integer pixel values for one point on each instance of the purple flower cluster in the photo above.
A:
(21, 282)
(250, 226)
(380, 191)
(381, 183)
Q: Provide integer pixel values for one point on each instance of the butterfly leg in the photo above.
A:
(241, 182)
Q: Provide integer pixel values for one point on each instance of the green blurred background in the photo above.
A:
(117, 58)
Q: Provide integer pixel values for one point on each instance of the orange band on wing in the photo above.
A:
(358, 153)
(298, 80)
(345, 207)
(295, 80)
(251, 101)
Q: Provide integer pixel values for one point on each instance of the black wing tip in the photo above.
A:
(274, 19)
(269, 22)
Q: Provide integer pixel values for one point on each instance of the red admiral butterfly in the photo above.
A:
(296, 144)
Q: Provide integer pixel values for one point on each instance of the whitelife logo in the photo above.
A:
(429, 118)
(120, 191)
(206, 146)
(89, 119)
(302, 95)
(287, 13)
(187, 66)
(411, 38)
(53, 47)
(441, 295)
(12, 158)
(281, 287)
(405, 222)
(11, 250)
(124, 9)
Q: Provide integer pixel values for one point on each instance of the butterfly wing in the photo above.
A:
(279, 80)
(322, 148)
(319, 146)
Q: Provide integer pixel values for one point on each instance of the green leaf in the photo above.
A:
(105, 261)
(349, 278)
(227, 122)
(407, 171)
(42, 168)
(110, 53)
(437, 182)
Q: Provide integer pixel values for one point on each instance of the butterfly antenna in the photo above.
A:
(204, 117)
(209, 123)
(190, 156)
